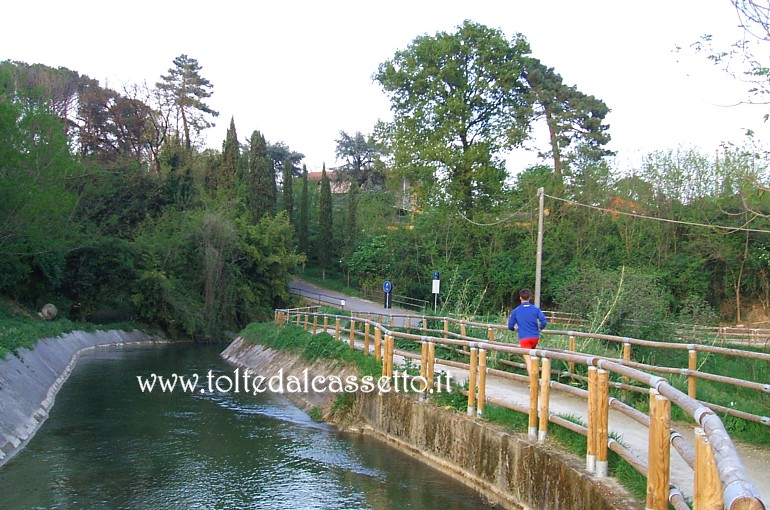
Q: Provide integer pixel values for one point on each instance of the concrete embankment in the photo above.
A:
(30, 379)
(507, 468)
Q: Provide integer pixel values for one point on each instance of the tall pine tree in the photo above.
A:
(325, 232)
(302, 222)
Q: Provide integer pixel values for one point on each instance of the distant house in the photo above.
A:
(337, 187)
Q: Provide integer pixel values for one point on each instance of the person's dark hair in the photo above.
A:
(525, 294)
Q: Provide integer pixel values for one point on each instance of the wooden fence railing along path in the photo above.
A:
(720, 478)
(730, 335)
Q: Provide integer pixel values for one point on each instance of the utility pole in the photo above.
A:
(539, 262)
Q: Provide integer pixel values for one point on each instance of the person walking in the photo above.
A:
(527, 320)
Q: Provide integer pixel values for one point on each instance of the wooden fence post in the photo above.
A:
(315, 324)
(298, 320)
(446, 328)
(307, 322)
(337, 329)
(385, 356)
(571, 365)
(472, 383)
(592, 419)
(424, 366)
(708, 488)
(352, 333)
(545, 394)
(431, 365)
(326, 324)
(366, 339)
(377, 344)
(533, 377)
(624, 379)
(602, 425)
(390, 342)
(482, 382)
(692, 364)
(659, 450)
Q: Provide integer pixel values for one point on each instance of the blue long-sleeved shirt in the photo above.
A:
(530, 320)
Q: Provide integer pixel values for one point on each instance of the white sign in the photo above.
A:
(436, 285)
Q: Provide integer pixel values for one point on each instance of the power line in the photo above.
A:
(665, 220)
(496, 222)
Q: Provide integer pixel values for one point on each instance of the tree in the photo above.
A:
(458, 101)
(360, 154)
(288, 192)
(185, 89)
(224, 176)
(38, 220)
(261, 185)
(304, 206)
(351, 226)
(573, 118)
(279, 152)
(325, 224)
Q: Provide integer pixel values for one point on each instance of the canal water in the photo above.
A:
(108, 445)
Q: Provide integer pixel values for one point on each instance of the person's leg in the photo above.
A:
(528, 343)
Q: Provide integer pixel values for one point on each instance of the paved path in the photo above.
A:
(634, 435)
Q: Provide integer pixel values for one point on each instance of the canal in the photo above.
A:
(109, 445)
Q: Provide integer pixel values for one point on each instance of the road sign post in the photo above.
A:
(436, 286)
(388, 288)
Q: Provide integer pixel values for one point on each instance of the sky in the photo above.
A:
(301, 71)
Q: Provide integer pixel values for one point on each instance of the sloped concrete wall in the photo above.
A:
(508, 469)
(30, 380)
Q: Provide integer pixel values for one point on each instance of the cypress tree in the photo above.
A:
(351, 221)
(351, 225)
(231, 153)
(325, 238)
(261, 178)
(302, 223)
(288, 193)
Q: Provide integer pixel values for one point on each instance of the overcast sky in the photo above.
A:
(301, 71)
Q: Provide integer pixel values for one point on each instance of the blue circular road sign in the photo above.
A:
(387, 286)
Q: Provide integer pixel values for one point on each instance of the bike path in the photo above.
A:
(631, 434)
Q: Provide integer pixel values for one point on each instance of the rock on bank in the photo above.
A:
(30, 379)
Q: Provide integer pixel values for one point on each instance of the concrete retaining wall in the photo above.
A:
(509, 469)
(30, 380)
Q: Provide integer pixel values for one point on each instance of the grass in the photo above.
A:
(22, 328)
(310, 347)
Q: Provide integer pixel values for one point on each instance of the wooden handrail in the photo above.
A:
(738, 491)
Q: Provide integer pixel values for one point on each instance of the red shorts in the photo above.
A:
(528, 343)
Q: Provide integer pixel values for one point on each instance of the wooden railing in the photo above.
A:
(720, 478)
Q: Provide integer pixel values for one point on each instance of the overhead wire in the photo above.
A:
(529, 203)
(665, 220)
